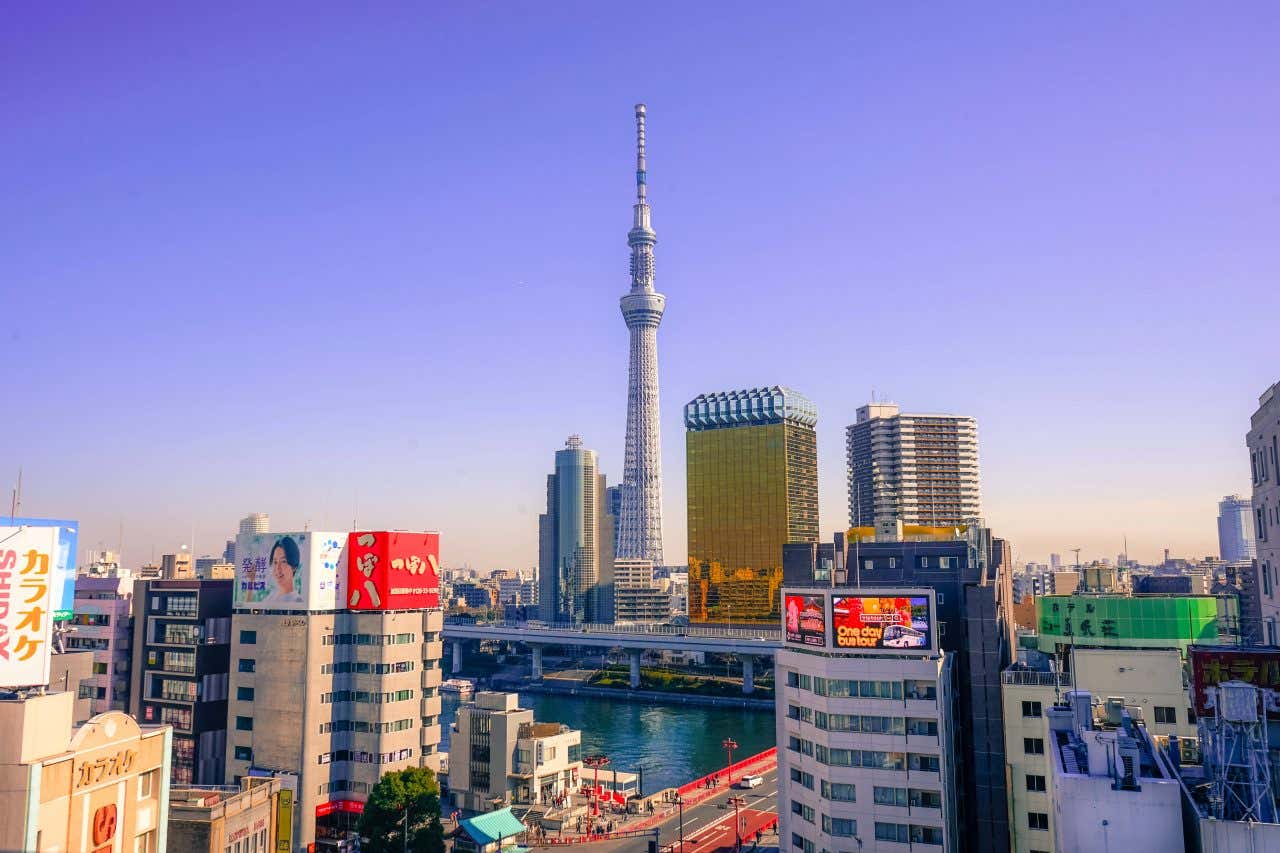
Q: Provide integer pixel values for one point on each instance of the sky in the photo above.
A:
(341, 264)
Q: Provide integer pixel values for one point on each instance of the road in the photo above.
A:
(708, 826)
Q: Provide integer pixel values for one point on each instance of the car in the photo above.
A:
(903, 637)
(749, 782)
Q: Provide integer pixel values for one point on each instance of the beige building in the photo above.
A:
(329, 702)
(103, 786)
(250, 819)
(1150, 680)
(513, 759)
(177, 566)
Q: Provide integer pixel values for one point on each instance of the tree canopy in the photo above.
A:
(382, 825)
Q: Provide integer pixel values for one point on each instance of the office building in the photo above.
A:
(102, 786)
(335, 679)
(640, 521)
(575, 536)
(1236, 540)
(1263, 439)
(974, 605)
(103, 624)
(1148, 679)
(511, 758)
(102, 564)
(254, 819)
(1055, 561)
(919, 469)
(752, 464)
(179, 671)
(177, 566)
(865, 730)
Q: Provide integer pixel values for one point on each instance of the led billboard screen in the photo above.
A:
(882, 622)
(393, 570)
(290, 571)
(28, 557)
(806, 617)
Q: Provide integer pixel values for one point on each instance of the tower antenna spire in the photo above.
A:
(641, 166)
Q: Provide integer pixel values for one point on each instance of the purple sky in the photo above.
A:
(288, 258)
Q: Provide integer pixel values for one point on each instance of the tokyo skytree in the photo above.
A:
(640, 518)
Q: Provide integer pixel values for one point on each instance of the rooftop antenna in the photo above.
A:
(1077, 553)
(16, 502)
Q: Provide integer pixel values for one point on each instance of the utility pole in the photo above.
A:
(680, 806)
(737, 826)
(1077, 553)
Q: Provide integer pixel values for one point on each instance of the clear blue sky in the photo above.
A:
(297, 258)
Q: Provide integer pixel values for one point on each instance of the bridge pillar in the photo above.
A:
(457, 656)
(635, 668)
(535, 668)
(748, 674)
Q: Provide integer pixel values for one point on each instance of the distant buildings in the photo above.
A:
(920, 469)
(255, 819)
(865, 723)
(575, 540)
(179, 671)
(1235, 529)
(177, 566)
(103, 624)
(752, 488)
(255, 522)
(1263, 439)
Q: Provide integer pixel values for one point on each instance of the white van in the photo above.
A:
(750, 782)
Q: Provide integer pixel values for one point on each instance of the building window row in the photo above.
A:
(917, 798)
(364, 667)
(804, 811)
(840, 792)
(904, 833)
(369, 639)
(839, 827)
(801, 778)
(339, 785)
(801, 843)
(362, 757)
(367, 697)
(364, 726)
(841, 688)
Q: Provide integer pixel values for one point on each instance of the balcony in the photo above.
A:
(431, 706)
(1035, 678)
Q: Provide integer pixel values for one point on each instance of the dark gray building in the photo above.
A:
(970, 574)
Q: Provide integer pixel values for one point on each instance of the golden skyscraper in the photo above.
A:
(752, 466)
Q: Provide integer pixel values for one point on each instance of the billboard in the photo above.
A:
(290, 571)
(393, 570)
(882, 622)
(1123, 621)
(28, 556)
(806, 617)
(64, 584)
(1212, 666)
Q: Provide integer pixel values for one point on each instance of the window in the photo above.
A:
(947, 562)
(248, 638)
(247, 665)
(926, 834)
(1031, 709)
(244, 694)
(928, 763)
(145, 843)
(889, 796)
(147, 784)
(1191, 716)
(806, 779)
(1038, 820)
(803, 810)
(924, 564)
(1166, 715)
(917, 689)
(891, 832)
(244, 724)
(99, 668)
(841, 827)
(922, 727)
(840, 792)
(1033, 745)
(1034, 782)
(244, 753)
(925, 799)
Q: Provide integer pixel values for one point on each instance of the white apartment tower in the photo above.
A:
(1235, 529)
(1263, 440)
(575, 540)
(640, 520)
(921, 469)
(255, 522)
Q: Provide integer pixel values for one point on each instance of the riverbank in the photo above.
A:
(652, 697)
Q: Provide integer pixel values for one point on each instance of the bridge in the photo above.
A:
(746, 643)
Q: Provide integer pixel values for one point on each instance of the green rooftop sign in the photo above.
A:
(1164, 621)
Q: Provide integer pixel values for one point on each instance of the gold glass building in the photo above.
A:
(752, 465)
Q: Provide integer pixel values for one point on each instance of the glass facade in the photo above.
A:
(751, 489)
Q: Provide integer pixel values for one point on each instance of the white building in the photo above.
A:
(1263, 440)
(865, 740)
(921, 469)
(1235, 529)
(1110, 789)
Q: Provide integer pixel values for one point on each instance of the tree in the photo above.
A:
(382, 825)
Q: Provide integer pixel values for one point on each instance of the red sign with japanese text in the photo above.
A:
(1211, 666)
(393, 570)
(350, 806)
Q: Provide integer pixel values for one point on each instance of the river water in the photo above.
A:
(672, 744)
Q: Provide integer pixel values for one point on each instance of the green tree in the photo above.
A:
(382, 825)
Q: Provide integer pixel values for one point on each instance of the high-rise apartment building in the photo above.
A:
(752, 465)
(1235, 529)
(179, 671)
(640, 522)
(103, 624)
(865, 724)
(255, 522)
(575, 540)
(921, 469)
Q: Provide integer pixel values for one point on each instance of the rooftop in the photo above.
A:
(493, 826)
(749, 407)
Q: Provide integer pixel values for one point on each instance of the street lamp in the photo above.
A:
(680, 805)
(737, 827)
(596, 762)
(729, 745)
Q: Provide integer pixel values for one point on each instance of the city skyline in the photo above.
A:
(269, 280)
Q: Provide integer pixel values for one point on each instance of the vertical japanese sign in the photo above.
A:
(393, 570)
(284, 822)
(27, 573)
(64, 570)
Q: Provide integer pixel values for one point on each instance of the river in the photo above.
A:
(673, 744)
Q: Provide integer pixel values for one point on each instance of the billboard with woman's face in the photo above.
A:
(290, 571)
